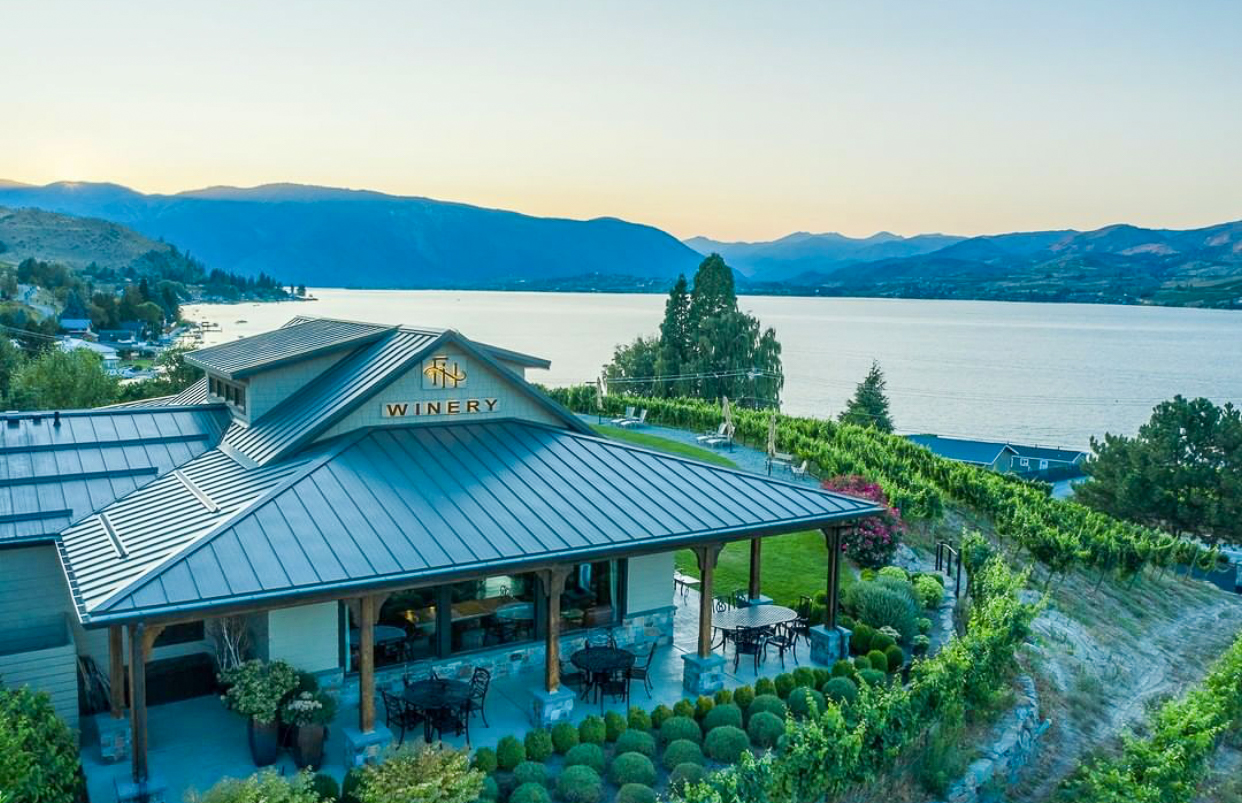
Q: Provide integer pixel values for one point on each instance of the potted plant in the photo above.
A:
(256, 690)
(308, 713)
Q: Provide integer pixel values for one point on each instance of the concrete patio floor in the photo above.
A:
(195, 743)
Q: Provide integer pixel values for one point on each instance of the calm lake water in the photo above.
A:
(1052, 374)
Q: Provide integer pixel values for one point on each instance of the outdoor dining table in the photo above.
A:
(601, 663)
(435, 695)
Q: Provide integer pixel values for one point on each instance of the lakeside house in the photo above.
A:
(111, 357)
(367, 503)
(1040, 462)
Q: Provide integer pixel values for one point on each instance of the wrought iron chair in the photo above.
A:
(783, 638)
(400, 713)
(643, 672)
(574, 678)
(601, 637)
(480, 682)
(616, 685)
(748, 641)
(740, 598)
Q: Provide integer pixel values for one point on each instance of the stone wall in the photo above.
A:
(1014, 741)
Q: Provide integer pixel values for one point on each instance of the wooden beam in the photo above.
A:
(116, 670)
(138, 701)
(553, 582)
(366, 664)
(706, 557)
(756, 567)
(832, 538)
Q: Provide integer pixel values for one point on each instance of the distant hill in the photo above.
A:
(320, 236)
(73, 241)
(802, 252)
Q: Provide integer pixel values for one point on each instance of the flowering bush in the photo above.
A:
(872, 541)
(421, 774)
(309, 708)
(262, 787)
(257, 689)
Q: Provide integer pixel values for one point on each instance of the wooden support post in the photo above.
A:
(756, 566)
(366, 664)
(138, 701)
(707, 557)
(553, 582)
(832, 536)
(116, 670)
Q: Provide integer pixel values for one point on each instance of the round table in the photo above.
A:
(599, 663)
(437, 694)
(383, 634)
(753, 617)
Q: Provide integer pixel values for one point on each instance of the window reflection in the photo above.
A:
(589, 597)
(494, 611)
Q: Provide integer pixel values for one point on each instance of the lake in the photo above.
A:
(1052, 374)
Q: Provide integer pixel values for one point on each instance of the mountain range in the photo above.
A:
(326, 237)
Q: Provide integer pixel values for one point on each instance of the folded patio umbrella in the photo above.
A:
(772, 435)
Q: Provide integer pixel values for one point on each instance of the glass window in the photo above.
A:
(405, 629)
(590, 596)
(494, 611)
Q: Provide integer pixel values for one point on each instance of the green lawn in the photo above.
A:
(793, 564)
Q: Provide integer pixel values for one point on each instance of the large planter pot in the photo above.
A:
(308, 746)
(264, 742)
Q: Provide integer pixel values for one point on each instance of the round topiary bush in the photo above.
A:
(614, 725)
(586, 755)
(632, 768)
(684, 775)
(702, 706)
(821, 676)
(893, 571)
(873, 677)
(659, 715)
(726, 744)
(860, 641)
(927, 591)
(765, 729)
(881, 642)
(723, 696)
(770, 703)
(353, 780)
(636, 793)
(683, 708)
(564, 737)
(326, 787)
(804, 676)
(844, 669)
(538, 745)
(764, 686)
(592, 730)
(490, 791)
(846, 622)
(800, 701)
(784, 684)
(727, 714)
(530, 772)
(842, 690)
(878, 660)
(484, 760)
(510, 752)
(920, 645)
(530, 793)
(675, 728)
(925, 625)
(639, 719)
(637, 742)
(861, 663)
(681, 752)
(896, 658)
(743, 696)
(580, 784)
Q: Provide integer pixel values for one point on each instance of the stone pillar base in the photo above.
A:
(829, 646)
(364, 748)
(762, 599)
(152, 790)
(703, 675)
(114, 738)
(550, 707)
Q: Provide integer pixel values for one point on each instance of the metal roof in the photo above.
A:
(299, 339)
(429, 503)
(54, 474)
(196, 393)
(1048, 453)
(982, 453)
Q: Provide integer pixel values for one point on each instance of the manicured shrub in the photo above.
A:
(639, 719)
(614, 725)
(702, 706)
(490, 791)
(800, 701)
(765, 729)
(784, 684)
(881, 642)
(636, 793)
(770, 703)
(325, 787)
(867, 575)
(873, 677)
(844, 669)
(821, 676)
(726, 744)
(592, 730)
(895, 658)
(586, 755)
(846, 622)
(894, 571)
(861, 663)
(727, 714)
(445, 774)
(879, 605)
(764, 686)
(925, 625)
(878, 660)
(265, 785)
(509, 752)
(723, 696)
(352, 781)
(860, 640)
(743, 696)
(637, 742)
(680, 752)
(684, 775)
(484, 760)
(842, 690)
(675, 728)
(927, 591)
(683, 708)
(564, 737)
(538, 745)
(580, 784)
(632, 768)
(804, 676)
(920, 644)
(531, 772)
(659, 715)
(530, 793)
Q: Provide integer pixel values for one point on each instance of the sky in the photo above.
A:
(738, 121)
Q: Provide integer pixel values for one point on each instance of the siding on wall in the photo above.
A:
(649, 583)
(269, 388)
(305, 636)
(53, 670)
(34, 598)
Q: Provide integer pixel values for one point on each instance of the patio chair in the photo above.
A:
(573, 677)
(799, 471)
(723, 602)
(643, 672)
(399, 713)
(801, 626)
(480, 682)
(741, 598)
(719, 433)
(616, 686)
(629, 416)
(781, 639)
(600, 638)
(636, 422)
(725, 438)
(747, 642)
(456, 720)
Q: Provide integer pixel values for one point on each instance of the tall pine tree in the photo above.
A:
(869, 407)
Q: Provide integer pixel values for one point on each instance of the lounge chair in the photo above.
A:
(636, 422)
(629, 416)
(799, 471)
(719, 433)
(724, 439)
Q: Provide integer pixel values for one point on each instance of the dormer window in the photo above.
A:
(232, 393)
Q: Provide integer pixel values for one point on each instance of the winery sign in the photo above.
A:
(440, 372)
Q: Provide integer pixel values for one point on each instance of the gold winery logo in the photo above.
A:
(445, 407)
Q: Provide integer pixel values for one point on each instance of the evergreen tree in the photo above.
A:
(674, 340)
(869, 407)
(713, 290)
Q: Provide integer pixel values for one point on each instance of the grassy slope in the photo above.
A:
(793, 564)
